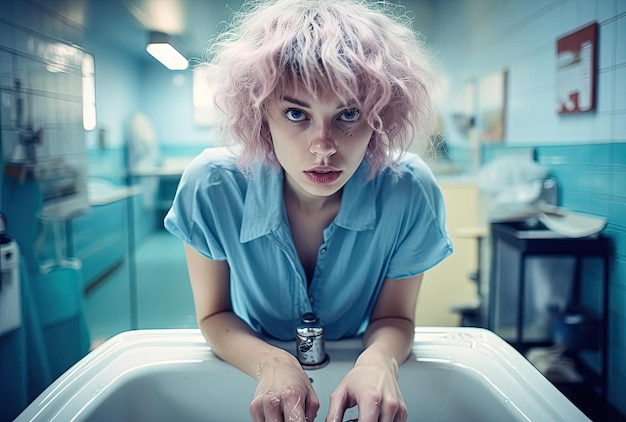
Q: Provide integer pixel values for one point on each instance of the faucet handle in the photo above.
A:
(310, 318)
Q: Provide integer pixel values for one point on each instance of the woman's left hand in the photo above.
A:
(373, 387)
(372, 384)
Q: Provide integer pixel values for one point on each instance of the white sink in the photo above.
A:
(453, 374)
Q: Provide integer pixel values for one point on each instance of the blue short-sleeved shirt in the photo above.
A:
(390, 226)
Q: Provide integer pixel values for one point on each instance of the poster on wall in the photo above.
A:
(576, 71)
(491, 107)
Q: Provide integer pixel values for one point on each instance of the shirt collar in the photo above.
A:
(358, 202)
(263, 205)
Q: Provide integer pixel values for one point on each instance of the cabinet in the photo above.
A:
(100, 239)
(448, 285)
(536, 287)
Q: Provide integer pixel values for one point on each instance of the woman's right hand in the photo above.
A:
(284, 392)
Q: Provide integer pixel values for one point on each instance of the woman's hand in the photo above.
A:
(284, 392)
(373, 387)
(372, 384)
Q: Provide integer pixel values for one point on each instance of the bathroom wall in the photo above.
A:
(585, 152)
(118, 76)
(41, 86)
(40, 89)
(166, 98)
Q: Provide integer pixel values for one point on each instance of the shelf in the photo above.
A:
(523, 288)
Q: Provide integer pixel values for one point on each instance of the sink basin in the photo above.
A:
(453, 374)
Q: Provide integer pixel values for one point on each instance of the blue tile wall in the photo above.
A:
(587, 152)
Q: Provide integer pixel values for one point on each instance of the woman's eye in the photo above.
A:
(295, 115)
(351, 115)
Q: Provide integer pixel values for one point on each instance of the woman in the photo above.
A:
(319, 209)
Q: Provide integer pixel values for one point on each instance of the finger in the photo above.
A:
(256, 413)
(336, 408)
(293, 402)
(401, 412)
(370, 411)
(272, 408)
(312, 406)
(256, 409)
(389, 410)
(293, 409)
(402, 415)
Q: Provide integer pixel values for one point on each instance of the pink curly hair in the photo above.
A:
(362, 52)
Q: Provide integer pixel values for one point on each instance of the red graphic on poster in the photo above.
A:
(576, 70)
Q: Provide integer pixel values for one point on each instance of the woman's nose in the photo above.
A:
(323, 144)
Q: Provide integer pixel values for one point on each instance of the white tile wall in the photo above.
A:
(620, 126)
(478, 37)
(606, 9)
(620, 45)
(38, 49)
(48, 69)
(606, 91)
(620, 88)
(606, 45)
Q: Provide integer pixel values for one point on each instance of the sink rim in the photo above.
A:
(459, 346)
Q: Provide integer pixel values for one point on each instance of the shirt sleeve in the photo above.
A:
(422, 240)
(196, 207)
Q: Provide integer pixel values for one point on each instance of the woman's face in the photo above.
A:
(319, 143)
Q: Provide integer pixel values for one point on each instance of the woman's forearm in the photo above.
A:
(387, 340)
(233, 341)
(284, 390)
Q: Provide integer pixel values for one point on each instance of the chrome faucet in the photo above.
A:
(311, 351)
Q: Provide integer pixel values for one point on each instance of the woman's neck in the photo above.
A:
(301, 201)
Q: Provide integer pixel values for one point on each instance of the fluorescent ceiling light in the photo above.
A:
(161, 49)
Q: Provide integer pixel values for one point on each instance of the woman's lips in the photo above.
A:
(322, 176)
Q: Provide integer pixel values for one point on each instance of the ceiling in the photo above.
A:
(125, 23)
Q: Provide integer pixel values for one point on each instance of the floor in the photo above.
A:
(162, 290)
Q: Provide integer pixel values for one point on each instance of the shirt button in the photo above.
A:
(323, 251)
(311, 299)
